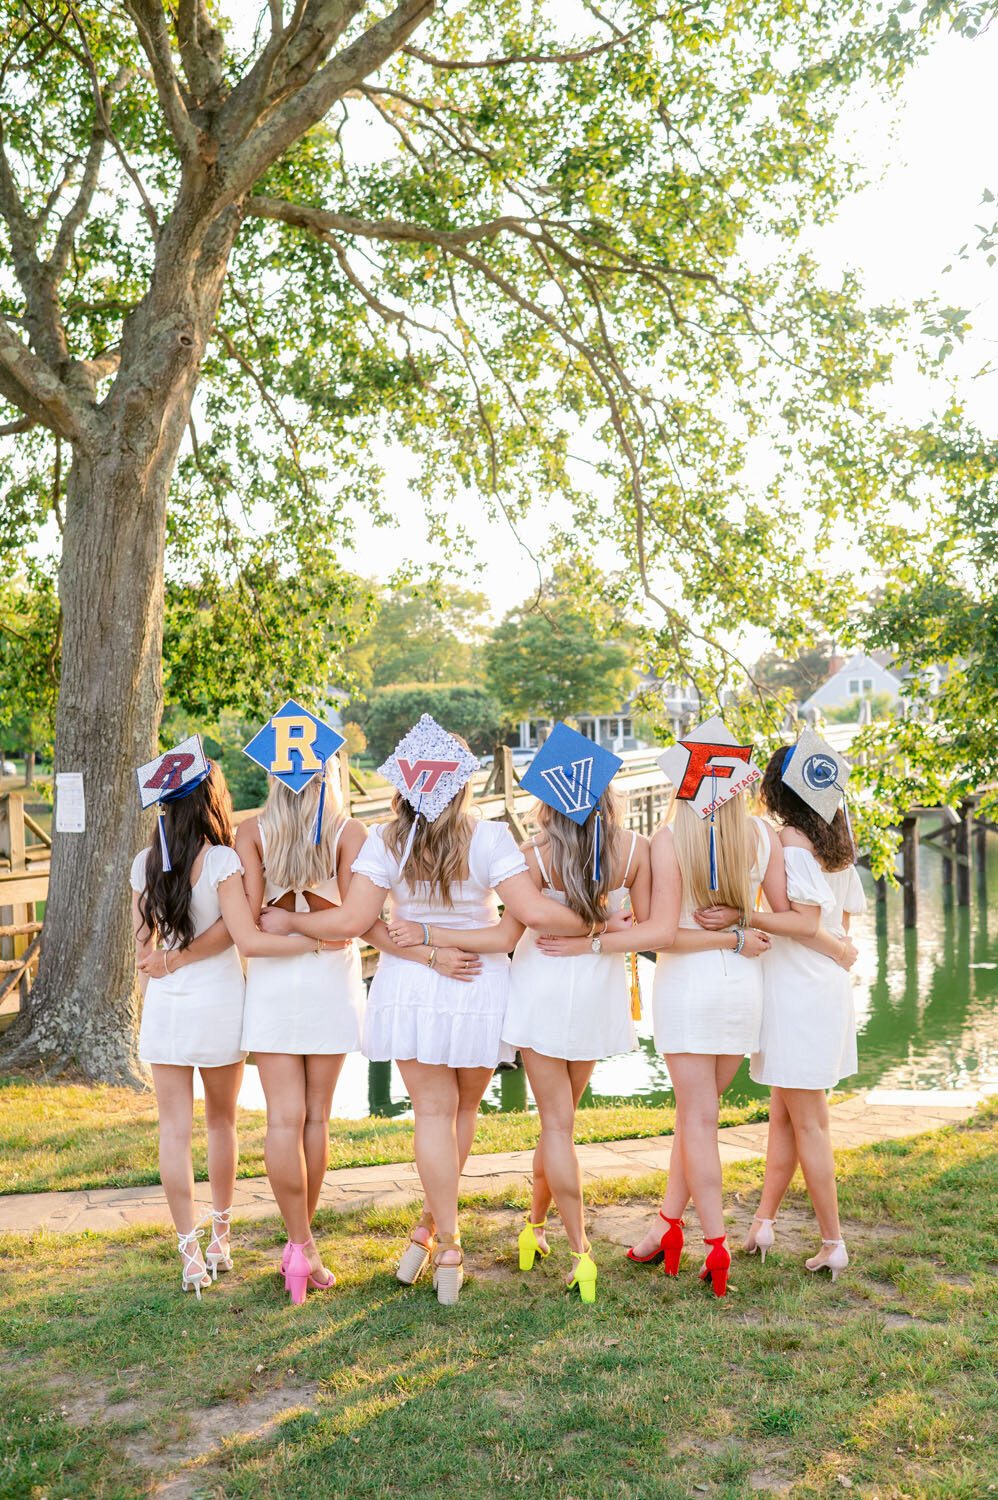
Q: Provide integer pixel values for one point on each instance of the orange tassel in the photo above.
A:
(635, 990)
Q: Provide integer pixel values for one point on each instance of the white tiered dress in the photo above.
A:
(307, 1003)
(414, 1012)
(576, 1008)
(808, 1037)
(194, 1017)
(711, 1002)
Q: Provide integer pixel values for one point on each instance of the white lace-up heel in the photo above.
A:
(218, 1259)
(194, 1276)
(835, 1261)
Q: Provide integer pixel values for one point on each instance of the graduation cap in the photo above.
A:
(570, 773)
(171, 777)
(818, 775)
(708, 767)
(429, 767)
(294, 746)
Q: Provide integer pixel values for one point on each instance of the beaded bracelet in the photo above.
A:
(739, 939)
(426, 934)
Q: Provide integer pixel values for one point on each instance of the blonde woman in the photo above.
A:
(439, 864)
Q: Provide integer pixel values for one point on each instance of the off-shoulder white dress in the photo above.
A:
(194, 1017)
(808, 1036)
(415, 1012)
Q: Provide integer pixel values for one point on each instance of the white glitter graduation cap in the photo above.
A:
(429, 767)
(171, 777)
(818, 775)
(708, 767)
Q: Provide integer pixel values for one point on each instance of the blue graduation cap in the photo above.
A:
(294, 746)
(570, 773)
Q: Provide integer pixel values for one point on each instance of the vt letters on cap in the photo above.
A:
(294, 745)
(708, 766)
(170, 772)
(570, 773)
(429, 767)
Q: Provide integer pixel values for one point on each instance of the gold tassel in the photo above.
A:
(635, 990)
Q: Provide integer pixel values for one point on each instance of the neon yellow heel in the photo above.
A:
(585, 1274)
(529, 1245)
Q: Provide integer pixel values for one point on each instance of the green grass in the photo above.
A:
(116, 1386)
(64, 1135)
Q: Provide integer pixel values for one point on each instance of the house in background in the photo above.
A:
(860, 677)
(616, 731)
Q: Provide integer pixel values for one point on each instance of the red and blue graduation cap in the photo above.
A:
(708, 767)
(570, 773)
(171, 777)
(294, 746)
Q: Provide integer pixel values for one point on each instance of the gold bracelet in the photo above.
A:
(433, 958)
(319, 944)
(166, 966)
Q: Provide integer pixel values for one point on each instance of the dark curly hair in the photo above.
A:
(205, 817)
(831, 842)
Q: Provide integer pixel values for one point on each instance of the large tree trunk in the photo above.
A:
(83, 1006)
(29, 768)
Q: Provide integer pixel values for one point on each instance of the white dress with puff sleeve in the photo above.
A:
(194, 1017)
(414, 1012)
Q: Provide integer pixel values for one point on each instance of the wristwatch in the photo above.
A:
(596, 945)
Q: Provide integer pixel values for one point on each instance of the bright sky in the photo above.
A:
(929, 160)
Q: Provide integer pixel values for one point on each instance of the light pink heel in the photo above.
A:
(831, 1257)
(764, 1238)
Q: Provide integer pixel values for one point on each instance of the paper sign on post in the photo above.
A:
(70, 810)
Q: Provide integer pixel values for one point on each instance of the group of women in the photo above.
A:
(749, 919)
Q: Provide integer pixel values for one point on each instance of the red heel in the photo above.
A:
(716, 1265)
(672, 1245)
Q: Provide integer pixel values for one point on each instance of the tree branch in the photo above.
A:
(150, 23)
(23, 424)
(200, 45)
(449, 64)
(28, 383)
(322, 221)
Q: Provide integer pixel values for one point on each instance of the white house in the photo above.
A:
(859, 677)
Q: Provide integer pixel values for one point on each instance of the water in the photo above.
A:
(926, 1007)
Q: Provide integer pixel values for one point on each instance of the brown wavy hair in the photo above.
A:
(205, 817)
(439, 854)
(831, 842)
(571, 846)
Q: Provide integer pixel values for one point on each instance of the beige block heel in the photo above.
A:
(448, 1280)
(416, 1256)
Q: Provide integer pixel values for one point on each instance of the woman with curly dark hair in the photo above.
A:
(808, 1035)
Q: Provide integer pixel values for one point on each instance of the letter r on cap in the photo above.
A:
(169, 774)
(295, 732)
(700, 765)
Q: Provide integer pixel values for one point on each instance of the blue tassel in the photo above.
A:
(317, 835)
(596, 850)
(163, 844)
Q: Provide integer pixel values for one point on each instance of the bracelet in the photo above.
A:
(739, 939)
(320, 944)
(166, 966)
(426, 934)
(433, 958)
(741, 917)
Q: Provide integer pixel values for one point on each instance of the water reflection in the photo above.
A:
(925, 1004)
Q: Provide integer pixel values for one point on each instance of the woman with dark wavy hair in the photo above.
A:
(185, 920)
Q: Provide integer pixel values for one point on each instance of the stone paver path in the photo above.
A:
(857, 1122)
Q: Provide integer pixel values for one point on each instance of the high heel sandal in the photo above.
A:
(716, 1265)
(194, 1274)
(584, 1275)
(299, 1276)
(764, 1240)
(529, 1245)
(285, 1257)
(219, 1260)
(448, 1280)
(416, 1255)
(670, 1247)
(835, 1262)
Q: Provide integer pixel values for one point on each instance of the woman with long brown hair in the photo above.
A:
(439, 864)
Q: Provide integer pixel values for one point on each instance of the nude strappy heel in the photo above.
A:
(763, 1240)
(416, 1255)
(834, 1262)
(448, 1280)
(219, 1260)
(194, 1274)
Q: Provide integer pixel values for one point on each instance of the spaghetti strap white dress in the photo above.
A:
(711, 1002)
(307, 1003)
(414, 1012)
(194, 1017)
(808, 1037)
(576, 1008)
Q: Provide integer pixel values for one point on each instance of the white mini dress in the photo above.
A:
(711, 1002)
(577, 1008)
(194, 1018)
(808, 1037)
(307, 1003)
(414, 1012)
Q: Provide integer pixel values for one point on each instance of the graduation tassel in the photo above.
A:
(317, 835)
(411, 839)
(596, 842)
(845, 809)
(713, 838)
(635, 990)
(164, 846)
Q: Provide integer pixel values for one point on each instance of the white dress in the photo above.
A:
(577, 1008)
(306, 1003)
(194, 1017)
(808, 1038)
(414, 1012)
(711, 1002)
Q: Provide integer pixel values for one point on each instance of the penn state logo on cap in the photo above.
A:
(708, 766)
(570, 773)
(817, 774)
(294, 745)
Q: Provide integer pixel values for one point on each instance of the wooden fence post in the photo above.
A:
(963, 853)
(946, 849)
(909, 869)
(507, 776)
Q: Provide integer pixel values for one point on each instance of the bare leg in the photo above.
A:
(469, 1096)
(283, 1075)
(322, 1072)
(808, 1111)
(435, 1092)
(557, 1086)
(175, 1103)
(781, 1162)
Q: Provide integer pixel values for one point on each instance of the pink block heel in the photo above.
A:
(298, 1275)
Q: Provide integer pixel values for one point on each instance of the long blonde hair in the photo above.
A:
(439, 853)
(572, 855)
(287, 823)
(691, 837)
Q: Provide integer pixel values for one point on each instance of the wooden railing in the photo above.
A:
(24, 882)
